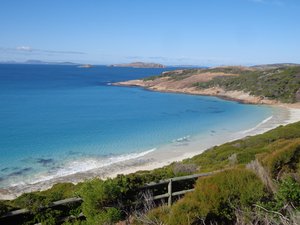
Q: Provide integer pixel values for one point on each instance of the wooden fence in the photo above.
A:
(150, 186)
(169, 194)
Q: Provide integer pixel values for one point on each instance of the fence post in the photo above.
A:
(170, 192)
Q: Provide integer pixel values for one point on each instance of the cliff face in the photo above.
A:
(245, 84)
(139, 65)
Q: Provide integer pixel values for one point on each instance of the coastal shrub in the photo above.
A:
(280, 84)
(213, 159)
(282, 208)
(288, 193)
(107, 216)
(99, 201)
(284, 158)
(215, 198)
(75, 222)
(245, 149)
(155, 216)
(60, 191)
(97, 194)
(181, 169)
(47, 216)
(4, 208)
(32, 201)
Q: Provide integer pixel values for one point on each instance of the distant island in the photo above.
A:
(85, 66)
(39, 62)
(139, 65)
(263, 84)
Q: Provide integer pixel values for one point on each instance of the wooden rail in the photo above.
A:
(169, 194)
(170, 181)
(53, 204)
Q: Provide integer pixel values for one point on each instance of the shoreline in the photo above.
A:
(283, 114)
(237, 96)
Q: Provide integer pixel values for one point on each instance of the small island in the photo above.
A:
(85, 66)
(139, 65)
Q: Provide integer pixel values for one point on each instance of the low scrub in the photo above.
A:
(215, 198)
(284, 158)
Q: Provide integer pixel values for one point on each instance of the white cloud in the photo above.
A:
(24, 48)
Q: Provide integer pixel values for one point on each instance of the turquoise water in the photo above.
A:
(53, 115)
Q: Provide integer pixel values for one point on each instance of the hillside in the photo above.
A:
(259, 84)
(258, 183)
(139, 65)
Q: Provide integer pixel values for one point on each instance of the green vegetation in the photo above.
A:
(176, 75)
(279, 84)
(216, 198)
(240, 192)
(284, 158)
(245, 150)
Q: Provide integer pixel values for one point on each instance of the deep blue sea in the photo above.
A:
(51, 115)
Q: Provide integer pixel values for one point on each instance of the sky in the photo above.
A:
(172, 32)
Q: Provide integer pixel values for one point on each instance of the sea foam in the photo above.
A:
(83, 165)
(257, 126)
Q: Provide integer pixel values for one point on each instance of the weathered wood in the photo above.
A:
(182, 192)
(153, 184)
(16, 212)
(170, 193)
(66, 201)
(161, 196)
(53, 204)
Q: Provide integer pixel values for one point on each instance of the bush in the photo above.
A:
(245, 149)
(283, 158)
(47, 216)
(32, 201)
(215, 198)
(288, 193)
(99, 199)
(106, 216)
(60, 191)
(4, 208)
(181, 169)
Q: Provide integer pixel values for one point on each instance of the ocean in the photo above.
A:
(55, 119)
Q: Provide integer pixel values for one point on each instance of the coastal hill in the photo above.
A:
(139, 65)
(266, 84)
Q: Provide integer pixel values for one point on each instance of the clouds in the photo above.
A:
(34, 51)
(24, 48)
